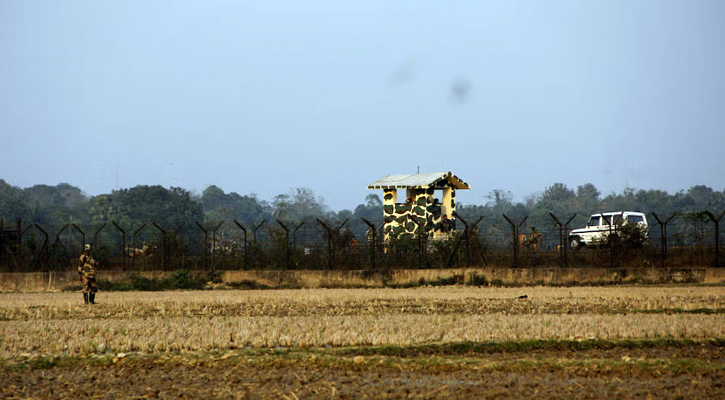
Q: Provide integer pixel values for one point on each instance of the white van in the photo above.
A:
(600, 225)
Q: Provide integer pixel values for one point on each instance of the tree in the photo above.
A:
(281, 204)
(654, 201)
(212, 197)
(703, 198)
(101, 209)
(620, 202)
(71, 196)
(587, 199)
(12, 202)
(219, 206)
(558, 199)
(304, 203)
(372, 210)
(55, 205)
(146, 204)
(500, 201)
(298, 205)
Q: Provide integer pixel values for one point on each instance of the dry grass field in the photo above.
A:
(436, 342)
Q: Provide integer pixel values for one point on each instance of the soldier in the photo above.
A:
(534, 238)
(87, 275)
(447, 224)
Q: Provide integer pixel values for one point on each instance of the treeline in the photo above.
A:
(586, 199)
(65, 204)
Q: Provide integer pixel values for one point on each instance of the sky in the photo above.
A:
(262, 97)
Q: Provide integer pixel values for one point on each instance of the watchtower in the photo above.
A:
(420, 211)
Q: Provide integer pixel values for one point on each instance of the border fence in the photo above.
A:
(677, 240)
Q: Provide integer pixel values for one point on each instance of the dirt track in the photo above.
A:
(689, 372)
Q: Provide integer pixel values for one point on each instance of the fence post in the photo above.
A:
(244, 257)
(254, 238)
(663, 235)
(611, 223)
(176, 232)
(206, 244)
(95, 234)
(566, 235)
(294, 236)
(561, 239)
(255, 228)
(52, 259)
(372, 239)
(16, 246)
(467, 233)
(329, 243)
(514, 233)
(286, 244)
(123, 245)
(717, 235)
(474, 234)
(330, 247)
(43, 249)
(83, 234)
(214, 247)
(165, 241)
(22, 234)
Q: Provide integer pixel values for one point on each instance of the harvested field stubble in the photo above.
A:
(175, 334)
(54, 323)
(332, 302)
(444, 342)
(315, 374)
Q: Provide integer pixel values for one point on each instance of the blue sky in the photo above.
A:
(263, 97)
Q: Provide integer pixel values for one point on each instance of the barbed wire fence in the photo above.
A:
(677, 240)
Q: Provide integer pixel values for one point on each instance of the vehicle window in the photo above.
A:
(617, 218)
(607, 220)
(635, 218)
(593, 221)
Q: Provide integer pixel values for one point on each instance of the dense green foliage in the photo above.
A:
(175, 209)
(586, 199)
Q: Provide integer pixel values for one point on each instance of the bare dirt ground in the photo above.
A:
(690, 372)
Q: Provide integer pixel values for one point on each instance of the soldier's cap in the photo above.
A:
(87, 247)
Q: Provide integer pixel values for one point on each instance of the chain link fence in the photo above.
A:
(678, 240)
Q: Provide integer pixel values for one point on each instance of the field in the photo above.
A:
(433, 342)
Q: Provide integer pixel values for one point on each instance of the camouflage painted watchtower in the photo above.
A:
(420, 211)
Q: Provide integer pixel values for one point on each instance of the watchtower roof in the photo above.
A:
(419, 181)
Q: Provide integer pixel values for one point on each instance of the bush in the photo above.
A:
(180, 279)
(478, 280)
(628, 236)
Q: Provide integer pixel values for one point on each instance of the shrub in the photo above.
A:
(478, 280)
(180, 279)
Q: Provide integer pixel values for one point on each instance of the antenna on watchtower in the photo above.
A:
(419, 169)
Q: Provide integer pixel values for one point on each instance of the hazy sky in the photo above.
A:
(266, 96)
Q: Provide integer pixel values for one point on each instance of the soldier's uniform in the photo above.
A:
(87, 275)
(534, 238)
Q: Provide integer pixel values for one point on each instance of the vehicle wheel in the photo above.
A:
(574, 243)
